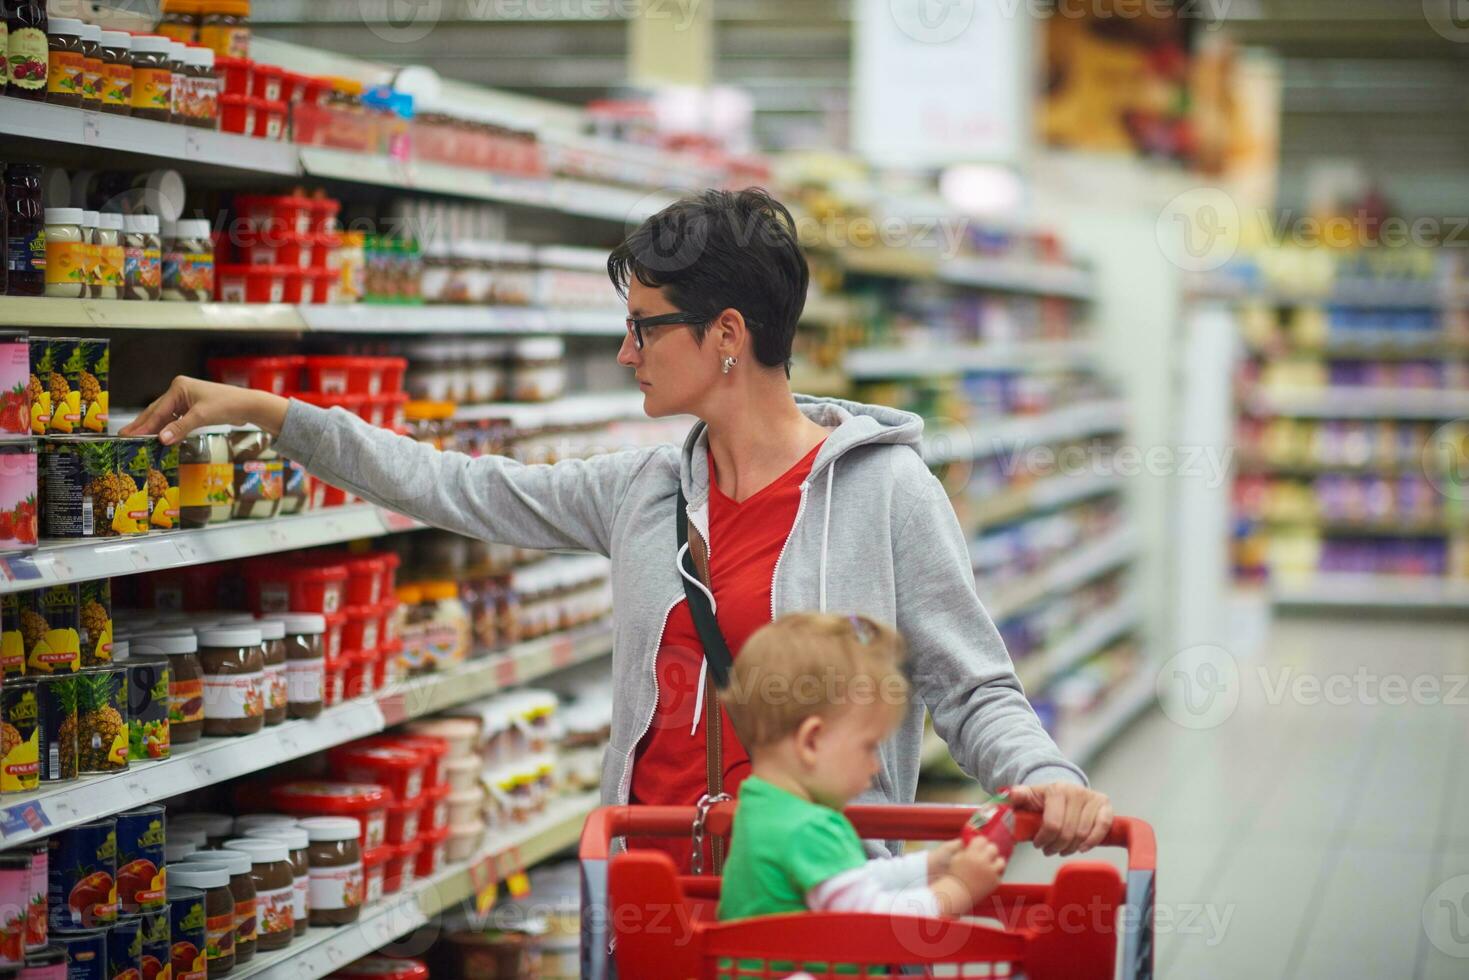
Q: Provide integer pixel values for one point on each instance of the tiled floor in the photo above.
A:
(1315, 832)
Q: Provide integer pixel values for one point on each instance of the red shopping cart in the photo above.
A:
(651, 923)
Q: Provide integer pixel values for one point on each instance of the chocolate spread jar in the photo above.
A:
(219, 910)
(298, 843)
(242, 890)
(305, 664)
(273, 634)
(234, 680)
(270, 869)
(335, 857)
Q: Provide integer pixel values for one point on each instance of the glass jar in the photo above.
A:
(179, 20)
(206, 477)
(117, 72)
(234, 681)
(28, 54)
(447, 629)
(91, 67)
(65, 74)
(111, 256)
(188, 262)
(258, 476)
(185, 682)
(152, 78)
(298, 844)
(219, 909)
(335, 867)
(25, 231)
(203, 106)
(66, 263)
(305, 664)
(538, 372)
(179, 84)
(242, 891)
(142, 257)
(224, 26)
(270, 872)
(273, 633)
(92, 252)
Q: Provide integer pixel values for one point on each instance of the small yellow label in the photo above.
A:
(67, 262)
(152, 88)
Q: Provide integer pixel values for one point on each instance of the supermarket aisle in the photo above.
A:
(1304, 835)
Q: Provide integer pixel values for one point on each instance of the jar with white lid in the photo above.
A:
(142, 270)
(111, 256)
(93, 251)
(437, 277)
(487, 374)
(188, 262)
(538, 369)
(513, 275)
(67, 271)
(430, 375)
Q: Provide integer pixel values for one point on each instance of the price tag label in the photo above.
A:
(485, 880)
(187, 551)
(563, 652)
(91, 128)
(141, 559)
(335, 954)
(394, 521)
(279, 538)
(202, 770)
(137, 790)
(289, 744)
(505, 671)
(394, 709)
(60, 568)
(193, 146)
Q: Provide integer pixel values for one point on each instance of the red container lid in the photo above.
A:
(275, 106)
(287, 362)
(272, 200)
(432, 749)
(379, 755)
(222, 63)
(430, 838)
(339, 361)
(268, 70)
(235, 100)
(326, 206)
(378, 856)
(410, 849)
(383, 968)
(407, 806)
(360, 612)
(330, 799)
(437, 794)
(327, 239)
(352, 403)
(391, 557)
(314, 573)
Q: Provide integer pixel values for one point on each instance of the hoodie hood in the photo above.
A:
(851, 424)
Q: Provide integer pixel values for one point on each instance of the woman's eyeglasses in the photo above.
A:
(635, 327)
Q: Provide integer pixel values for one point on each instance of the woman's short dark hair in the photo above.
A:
(723, 250)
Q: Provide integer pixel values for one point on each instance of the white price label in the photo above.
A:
(187, 551)
(140, 559)
(335, 954)
(279, 538)
(193, 147)
(288, 743)
(202, 770)
(137, 790)
(91, 128)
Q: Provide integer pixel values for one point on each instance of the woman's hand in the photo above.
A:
(190, 404)
(1073, 818)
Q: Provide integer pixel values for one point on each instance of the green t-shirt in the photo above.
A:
(782, 846)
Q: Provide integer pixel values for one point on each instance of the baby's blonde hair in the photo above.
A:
(806, 664)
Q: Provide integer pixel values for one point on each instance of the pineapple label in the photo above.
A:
(92, 382)
(40, 385)
(95, 621)
(49, 625)
(102, 726)
(163, 486)
(20, 759)
(12, 641)
(134, 514)
(66, 398)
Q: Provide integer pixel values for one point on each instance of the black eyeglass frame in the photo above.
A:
(636, 325)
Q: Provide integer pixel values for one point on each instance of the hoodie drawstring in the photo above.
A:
(703, 661)
(831, 475)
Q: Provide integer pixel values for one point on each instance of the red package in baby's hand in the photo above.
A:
(994, 820)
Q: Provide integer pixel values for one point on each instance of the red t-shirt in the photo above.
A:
(746, 541)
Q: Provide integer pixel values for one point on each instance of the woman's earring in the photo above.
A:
(729, 363)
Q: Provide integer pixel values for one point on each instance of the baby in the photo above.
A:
(812, 697)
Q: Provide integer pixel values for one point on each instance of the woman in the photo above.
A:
(798, 503)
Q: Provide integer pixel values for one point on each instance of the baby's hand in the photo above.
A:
(979, 866)
(939, 858)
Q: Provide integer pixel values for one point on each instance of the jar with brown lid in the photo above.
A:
(234, 680)
(203, 103)
(117, 73)
(297, 843)
(152, 78)
(242, 890)
(65, 74)
(219, 909)
(270, 870)
(185, 682)
(273, 634)
(180, 20)
(335, 858)
(224, 25)
(178, 110)
(91, 67)
(305, 664)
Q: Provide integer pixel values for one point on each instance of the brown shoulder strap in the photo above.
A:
(713, 713)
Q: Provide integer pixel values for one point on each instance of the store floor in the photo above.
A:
(1308, 834)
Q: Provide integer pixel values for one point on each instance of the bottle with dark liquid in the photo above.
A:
(25, 236)
(28, 51)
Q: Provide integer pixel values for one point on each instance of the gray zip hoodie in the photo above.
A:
(874, 534)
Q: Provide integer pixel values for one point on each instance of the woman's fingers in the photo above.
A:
(163, 410)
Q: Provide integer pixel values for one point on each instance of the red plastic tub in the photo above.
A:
(390, 579)
(387, 612)
(386, 671)
(328, 286)
(251, 283)
(312, 91)
(435, 815)
(364, 579)
(275, 215)
(287, 249)
(398, 768)
(402, 866)
(383, 968)
(234, 75)
(278, 375)
(356, 672)
(431, 858)
(275, 586)
(324, 211)
(366, 802)
(374, 872)
(294, 87)
(403, 821)
(335, 691)
(352, 374)
(300, 286)
(268, 82)
(322, 247)
(331, 641)
(271, 117)
(237, 114)
(393, 370)
(323, 494)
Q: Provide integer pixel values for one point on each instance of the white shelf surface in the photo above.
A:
(1092, 637)
(584, 409)
(1086, 562)
(1380, 591)
(1359, 403)
(1048, 494)
(321, 951)
(977, 440)
(876, 363)
(1414, 293)
(59, 562)
(1012, 275)
(24, 817)
(284, 318)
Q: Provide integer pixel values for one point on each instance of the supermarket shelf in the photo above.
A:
(175, 144)
(878, 363)
(321, 951)
(26, 817)
(39, 311)
(1106, 721)
(586, 409)
(1360, 403)
(1374, 591)
(284, 318)
(1057, 491)
(1086, 562)
(950, 443)
(1255, 464)
(827, 309)
(1095, 633)
(1384, 528)
(807, 379)
(1369, 345)
(1405, 294)
(1022, 277)
(59, 562)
